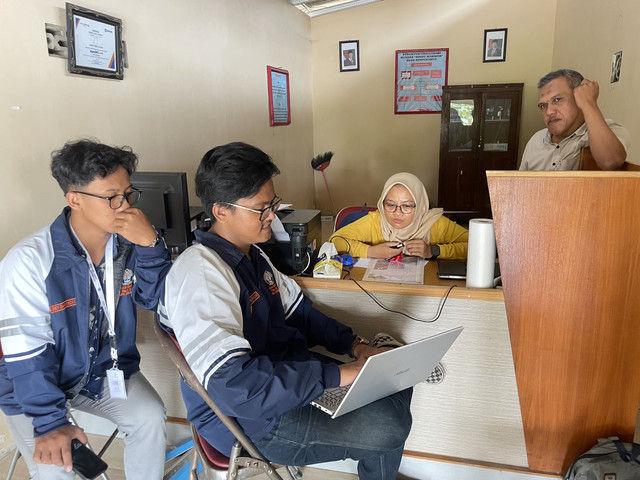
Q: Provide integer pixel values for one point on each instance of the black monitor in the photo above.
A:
(165, 201)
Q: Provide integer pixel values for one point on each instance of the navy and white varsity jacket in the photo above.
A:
(50, 351)
(246, 329)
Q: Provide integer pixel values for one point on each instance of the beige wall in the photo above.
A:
(197, 78)
(588, 33)
(353, 111)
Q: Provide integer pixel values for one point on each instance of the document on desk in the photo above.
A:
(407, 270)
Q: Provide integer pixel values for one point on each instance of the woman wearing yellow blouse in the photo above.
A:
(403, 217)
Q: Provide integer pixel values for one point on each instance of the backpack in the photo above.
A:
(609, 459)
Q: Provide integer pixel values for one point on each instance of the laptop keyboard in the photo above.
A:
(332, 397)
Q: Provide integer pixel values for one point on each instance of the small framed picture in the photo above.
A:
(349, 56)
(495, 45)
(616, 65)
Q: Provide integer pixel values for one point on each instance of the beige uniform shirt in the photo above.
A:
(542, 154)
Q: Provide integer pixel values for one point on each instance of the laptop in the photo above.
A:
(457, 270)
(387, 373)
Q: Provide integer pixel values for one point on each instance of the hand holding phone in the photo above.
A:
(86, 463)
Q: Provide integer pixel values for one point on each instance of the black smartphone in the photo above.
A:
(400, 245)
(86, 463)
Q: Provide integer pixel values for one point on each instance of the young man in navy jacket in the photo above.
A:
(68, 318)
(246, 329)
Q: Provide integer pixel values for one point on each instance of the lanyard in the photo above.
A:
(108, 303)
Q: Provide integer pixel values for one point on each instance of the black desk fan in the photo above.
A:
(320, 162)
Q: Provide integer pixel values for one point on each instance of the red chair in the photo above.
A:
(351, 214)
(215, 464)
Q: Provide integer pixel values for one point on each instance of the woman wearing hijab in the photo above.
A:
(403, 218)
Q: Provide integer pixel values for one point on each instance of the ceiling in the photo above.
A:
(313, 8)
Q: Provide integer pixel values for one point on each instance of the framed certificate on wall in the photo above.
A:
(95, 43)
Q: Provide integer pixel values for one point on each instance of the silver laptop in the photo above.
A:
(387, 373)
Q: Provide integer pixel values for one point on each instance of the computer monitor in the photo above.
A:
(165, 201)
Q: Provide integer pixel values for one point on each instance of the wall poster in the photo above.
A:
(279, 99)
(420, 76)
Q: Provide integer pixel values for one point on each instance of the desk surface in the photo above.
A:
(432, 287)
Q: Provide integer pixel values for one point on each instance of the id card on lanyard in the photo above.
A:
(115, 376)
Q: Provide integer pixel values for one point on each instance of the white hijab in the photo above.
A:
(423, 219)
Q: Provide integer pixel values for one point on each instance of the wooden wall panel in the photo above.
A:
(570, 260)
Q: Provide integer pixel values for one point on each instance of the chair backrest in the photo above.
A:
(170, 345)
(351, 214)
(587, 162)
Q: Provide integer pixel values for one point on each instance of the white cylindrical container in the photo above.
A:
(481, 257)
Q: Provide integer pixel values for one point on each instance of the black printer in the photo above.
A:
(297, 255)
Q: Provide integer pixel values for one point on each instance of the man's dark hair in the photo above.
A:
(229, 172)
(573, 78)
(80, 162)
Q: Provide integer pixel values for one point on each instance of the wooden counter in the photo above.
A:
(570, 257)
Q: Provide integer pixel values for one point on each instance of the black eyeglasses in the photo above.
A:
(392, 207)
(115, 203)
(265, 212)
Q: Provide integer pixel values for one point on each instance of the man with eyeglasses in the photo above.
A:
(68, 318)
(246, 330)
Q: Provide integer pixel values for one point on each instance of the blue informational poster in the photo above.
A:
(420, 76)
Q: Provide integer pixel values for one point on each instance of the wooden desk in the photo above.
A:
(472, 417)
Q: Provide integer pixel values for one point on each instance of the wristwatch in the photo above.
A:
(358, 341)
(156, 241)
(435, 251)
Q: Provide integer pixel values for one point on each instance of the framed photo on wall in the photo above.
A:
(94, 41)
(494, 48)
(349, 56)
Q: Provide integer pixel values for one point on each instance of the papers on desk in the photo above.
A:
(407, 270)
(278, 230)
(364, 262)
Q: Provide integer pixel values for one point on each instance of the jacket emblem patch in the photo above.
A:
(127, 282)
(269, 280)
(127, 277)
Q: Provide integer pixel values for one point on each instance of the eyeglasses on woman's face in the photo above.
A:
(116, 201)
(405, 208)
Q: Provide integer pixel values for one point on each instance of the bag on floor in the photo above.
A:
(609, 459)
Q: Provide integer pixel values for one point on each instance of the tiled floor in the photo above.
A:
(411, 469)
(113, 457)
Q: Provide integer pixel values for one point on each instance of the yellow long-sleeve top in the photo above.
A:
(366, 231)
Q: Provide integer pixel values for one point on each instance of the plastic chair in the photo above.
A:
(215, 464)
(351, 214)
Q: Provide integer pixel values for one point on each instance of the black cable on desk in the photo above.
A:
(439, 312)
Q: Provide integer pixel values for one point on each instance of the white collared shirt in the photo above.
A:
(542, 154)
